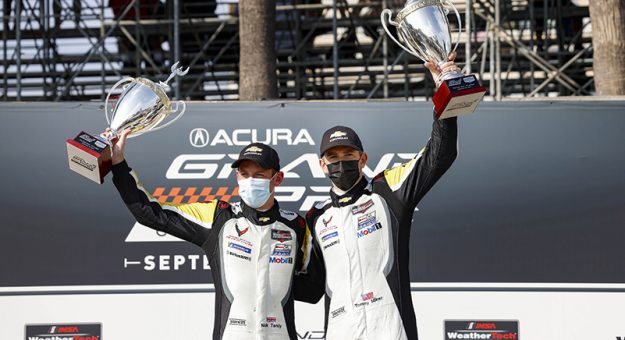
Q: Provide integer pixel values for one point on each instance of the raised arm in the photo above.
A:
(412, 180)
(190, 222)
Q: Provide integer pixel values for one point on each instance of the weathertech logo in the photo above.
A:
(496, 330)
(64, 332)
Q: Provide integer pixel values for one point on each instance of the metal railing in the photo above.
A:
(75, 50)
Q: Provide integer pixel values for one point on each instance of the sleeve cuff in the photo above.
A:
(121, 168)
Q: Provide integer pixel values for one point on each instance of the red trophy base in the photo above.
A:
(458, 96)
(89, 156)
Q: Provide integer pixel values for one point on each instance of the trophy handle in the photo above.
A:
(175, 107)
(450, 4)
(106, 101)
(394, 23)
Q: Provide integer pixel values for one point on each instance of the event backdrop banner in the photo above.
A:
(534, 203)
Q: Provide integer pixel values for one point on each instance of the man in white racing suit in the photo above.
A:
(254, 247)
(360, 236)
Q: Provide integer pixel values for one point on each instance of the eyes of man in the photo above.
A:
(256, 175)
(347, 155)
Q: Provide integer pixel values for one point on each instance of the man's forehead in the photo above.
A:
(340, 150)
(251, 166)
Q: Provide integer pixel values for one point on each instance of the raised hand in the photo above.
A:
(446, 67)
(117, 145)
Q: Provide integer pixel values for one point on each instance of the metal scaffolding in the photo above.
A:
(75, 50)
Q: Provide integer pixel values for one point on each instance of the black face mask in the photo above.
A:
(344, 174)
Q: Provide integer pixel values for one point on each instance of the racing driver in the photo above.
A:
(254, 247)
(360, 236)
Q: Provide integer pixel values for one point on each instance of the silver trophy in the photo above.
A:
(424, 28)
(141, 107)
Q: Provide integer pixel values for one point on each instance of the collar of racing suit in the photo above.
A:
(352, 195)
(261, 217)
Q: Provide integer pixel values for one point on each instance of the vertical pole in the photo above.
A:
(498, 47)
(177, 42)
(18, 47)
(137, 55)
(335, 51)
(484, 52)
(491, 42)
(559, 37)
(45, 24)
(5, 62)
(300, 82)
(385, 54)
(102, 70)
(467, 30)
(532, 31)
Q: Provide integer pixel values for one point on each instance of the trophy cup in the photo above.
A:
(423, 26)
(141, 107)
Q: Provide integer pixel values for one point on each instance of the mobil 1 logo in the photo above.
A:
(68, 331)
(471, 329)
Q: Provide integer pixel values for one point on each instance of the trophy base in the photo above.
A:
(89, 156)
(457, 96)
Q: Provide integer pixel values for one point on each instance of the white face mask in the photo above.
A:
(255, 191)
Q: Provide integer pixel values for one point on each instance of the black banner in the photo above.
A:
(536, 194)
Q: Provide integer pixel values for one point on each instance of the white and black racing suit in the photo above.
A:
(361, 246)
(253, 256)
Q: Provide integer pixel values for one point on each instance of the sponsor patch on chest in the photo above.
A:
(368, 230)
(362, 208)
(281, 235)
(366, 220)
(280, 260)
(281, 250)
(329, 236)
(239, 247)
(333, 243)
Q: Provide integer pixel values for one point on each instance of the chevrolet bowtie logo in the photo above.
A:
(338, 134)
(253, 149)
(345, 199)
(264, 219)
